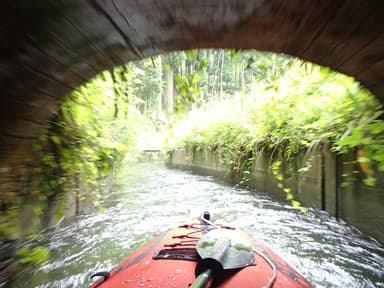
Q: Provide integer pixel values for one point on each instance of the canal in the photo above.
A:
(153, 198)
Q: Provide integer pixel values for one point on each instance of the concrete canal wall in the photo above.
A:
(325, 181)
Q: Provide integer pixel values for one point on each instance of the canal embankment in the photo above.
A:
(317, 178)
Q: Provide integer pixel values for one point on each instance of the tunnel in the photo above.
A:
(49, 47)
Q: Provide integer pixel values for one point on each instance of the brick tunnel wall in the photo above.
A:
(48, 47)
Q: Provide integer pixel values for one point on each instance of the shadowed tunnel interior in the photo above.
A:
(49, 47)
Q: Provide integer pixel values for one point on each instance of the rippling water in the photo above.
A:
(329, 253)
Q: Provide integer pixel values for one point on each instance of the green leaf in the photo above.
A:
(202, 64)
(37, 254)
(192, 54)
(352, 140)
(289, 196)
(370, 181)
(56, 139)
(287, 190)
(295, 203)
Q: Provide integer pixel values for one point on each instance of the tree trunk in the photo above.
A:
(221, 74)
(125, 72)
(160, 95)
(169, 97)
(116, 92)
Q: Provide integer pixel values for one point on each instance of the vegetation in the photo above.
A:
(32, 255)
(79, 154)
(233, 102)
(94, 129)
(289, 105)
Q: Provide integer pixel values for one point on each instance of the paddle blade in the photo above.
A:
(226, 247)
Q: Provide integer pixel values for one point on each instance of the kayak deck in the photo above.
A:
(170, 261)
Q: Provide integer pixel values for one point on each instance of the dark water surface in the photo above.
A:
(154, 198)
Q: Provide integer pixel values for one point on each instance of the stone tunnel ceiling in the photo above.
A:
(48, 47)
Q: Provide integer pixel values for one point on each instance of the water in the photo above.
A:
(154, 198)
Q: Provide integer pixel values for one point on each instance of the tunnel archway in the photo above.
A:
(50, 47)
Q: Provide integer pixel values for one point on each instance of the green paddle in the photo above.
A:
(221, 249)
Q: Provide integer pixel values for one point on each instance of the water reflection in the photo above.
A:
(154, 198)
